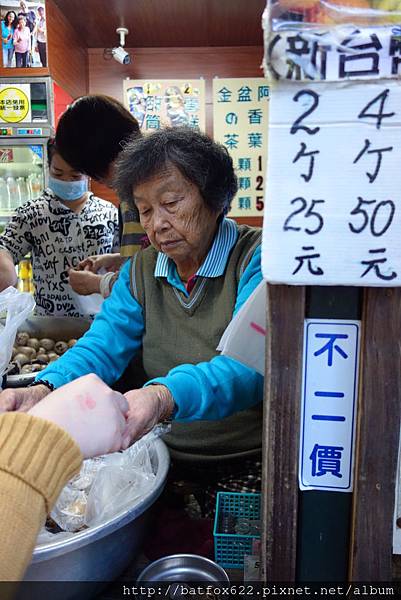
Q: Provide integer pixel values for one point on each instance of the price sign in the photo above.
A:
(333, 210)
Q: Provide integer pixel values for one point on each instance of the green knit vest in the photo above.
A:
(181, 329)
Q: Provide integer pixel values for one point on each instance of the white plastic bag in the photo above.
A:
(244, 338)
(15, 307)
(87, 305)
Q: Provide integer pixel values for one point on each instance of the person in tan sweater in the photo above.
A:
(41, 450)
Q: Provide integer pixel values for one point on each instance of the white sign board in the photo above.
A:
(333, 199)
(334, 53)
(329, 403)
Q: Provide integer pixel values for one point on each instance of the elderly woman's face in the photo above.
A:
(175, 216)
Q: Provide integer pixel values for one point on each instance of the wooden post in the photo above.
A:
(378, 437)
(296, 544)
(285, 316)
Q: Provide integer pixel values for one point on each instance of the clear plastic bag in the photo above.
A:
(114, 490)
(284, 14)
(106, 486)
(69, 512)
(15, 307)
(317, 40)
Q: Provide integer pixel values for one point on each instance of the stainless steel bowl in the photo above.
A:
(182, 568)
(98, 554)
(57, 328)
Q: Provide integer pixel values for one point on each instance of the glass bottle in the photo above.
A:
(36, 188)
(4, 195)
(24, 275)
(23, 188)
(14, 194)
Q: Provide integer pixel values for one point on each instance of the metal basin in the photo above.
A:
(57, 328)
(98, 554)
(182, 568)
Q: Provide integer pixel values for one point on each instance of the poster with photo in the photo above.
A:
(23, 34)
(160, 103)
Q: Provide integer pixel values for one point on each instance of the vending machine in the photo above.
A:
(26, 123)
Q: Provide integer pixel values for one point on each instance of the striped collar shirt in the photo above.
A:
(214, 264)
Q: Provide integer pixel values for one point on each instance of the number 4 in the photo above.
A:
(380, 115)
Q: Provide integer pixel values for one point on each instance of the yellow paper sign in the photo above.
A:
(240, 118)
(15, 105)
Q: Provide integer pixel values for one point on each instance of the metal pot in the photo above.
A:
(182, 568)
(96, 555)
(56, 328)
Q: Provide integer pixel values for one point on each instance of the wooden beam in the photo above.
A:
(284, 344)
(378, 436)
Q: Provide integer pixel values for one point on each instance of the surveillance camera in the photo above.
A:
(121, 55)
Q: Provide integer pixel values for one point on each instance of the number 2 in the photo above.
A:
(297, 124)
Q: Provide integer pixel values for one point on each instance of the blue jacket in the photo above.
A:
(208, 390)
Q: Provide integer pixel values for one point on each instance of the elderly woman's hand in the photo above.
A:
(84, 282)
(91, 412)
(22, 399)
(109, 262)
(147, 407)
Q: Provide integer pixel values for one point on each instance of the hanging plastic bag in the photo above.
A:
(244, 338)
(15, 307)
(87, 305)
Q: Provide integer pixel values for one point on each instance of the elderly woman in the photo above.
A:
(174, 300)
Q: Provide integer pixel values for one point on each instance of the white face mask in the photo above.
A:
(68, 190)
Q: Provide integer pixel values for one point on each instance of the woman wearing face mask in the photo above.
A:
(59, 229)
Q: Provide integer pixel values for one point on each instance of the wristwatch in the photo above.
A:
(44, 382)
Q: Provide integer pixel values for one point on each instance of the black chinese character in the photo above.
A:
(395, 48)
(364, 55)
(308, 257)
(301, 154)
(379, 151)
(374, 264)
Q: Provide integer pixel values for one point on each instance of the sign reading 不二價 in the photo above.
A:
(15, 103)
(329, 401)
(160, 103)
(333, 214)
(240, 117)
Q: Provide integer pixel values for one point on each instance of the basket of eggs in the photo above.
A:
(39, 341)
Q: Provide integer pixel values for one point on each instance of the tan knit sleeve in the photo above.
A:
(37, 458)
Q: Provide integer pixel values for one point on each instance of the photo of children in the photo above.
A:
(23, 34)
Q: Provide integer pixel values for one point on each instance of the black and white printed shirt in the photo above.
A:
(57, 239)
